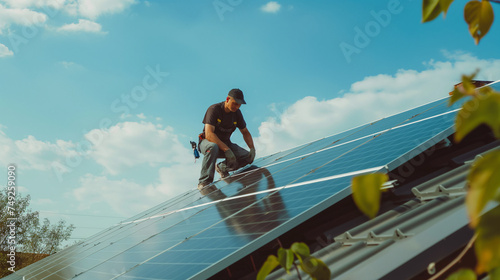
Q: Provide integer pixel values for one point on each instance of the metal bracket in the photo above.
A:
(389, 184)
(439, 191)
(371, 238)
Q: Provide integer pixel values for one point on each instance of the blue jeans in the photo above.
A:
(211, 153)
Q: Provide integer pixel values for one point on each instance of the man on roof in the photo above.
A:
(221, 120)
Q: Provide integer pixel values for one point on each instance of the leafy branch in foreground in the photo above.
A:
(478, 15)
(314, 267)
(483, 179)
(483, 107)
(366, 192)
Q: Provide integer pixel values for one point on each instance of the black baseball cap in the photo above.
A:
(237, 94)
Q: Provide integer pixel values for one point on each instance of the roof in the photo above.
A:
(406, 240)
(301, 194)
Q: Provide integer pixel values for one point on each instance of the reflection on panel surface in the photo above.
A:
(197, 234)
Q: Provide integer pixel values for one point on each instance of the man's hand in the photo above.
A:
(251, 155)
(230, 159)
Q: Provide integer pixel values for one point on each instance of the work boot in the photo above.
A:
(207, 189)
(223, 173)
(201, 186)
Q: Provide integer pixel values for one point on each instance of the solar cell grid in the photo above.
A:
(495, 85)
(373, 128)
(225, 239)
(323, 141)
(274, 157)
(312, 199)
(376, 151)
(194, 235)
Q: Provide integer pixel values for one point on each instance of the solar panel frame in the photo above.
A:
(279, 164)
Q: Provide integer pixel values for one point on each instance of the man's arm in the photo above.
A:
(212, 137)
(247, 137)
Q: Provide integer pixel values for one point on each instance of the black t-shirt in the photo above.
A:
(225, 123)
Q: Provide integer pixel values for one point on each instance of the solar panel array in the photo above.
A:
(195, 235)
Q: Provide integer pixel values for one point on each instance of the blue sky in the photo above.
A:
(99, 99)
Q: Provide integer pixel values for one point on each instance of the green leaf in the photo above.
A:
(479, 16)
(308, 265)
(495, 274)
(484, 108)
(487, 244)
(466, 88)
(285, 257)
(445, 4)
(484, 182)
(497, 197)
(316, 268)
(301, 250)
(463, 274)
(456, 95)
(270, 264)
(430, 10)
(366, 192)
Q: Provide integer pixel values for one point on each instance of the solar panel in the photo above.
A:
(194, 236)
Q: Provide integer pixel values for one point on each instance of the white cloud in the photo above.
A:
(94, 8)
(370, 99)
(70, 65)
(128, 198)
(22, 12)
(67, 64)
(17, 16)
(71, 8)
(141, 116)
(179, 178)
(19, 189)
(43, 201)
(129, 144)
(30, 153)
(124, 197)
(271, 7)
(4, 51)
(83, 25)
(56, 4)
(125, 116)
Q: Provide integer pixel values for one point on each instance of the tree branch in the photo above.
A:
(298, 272)
(457, 259)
